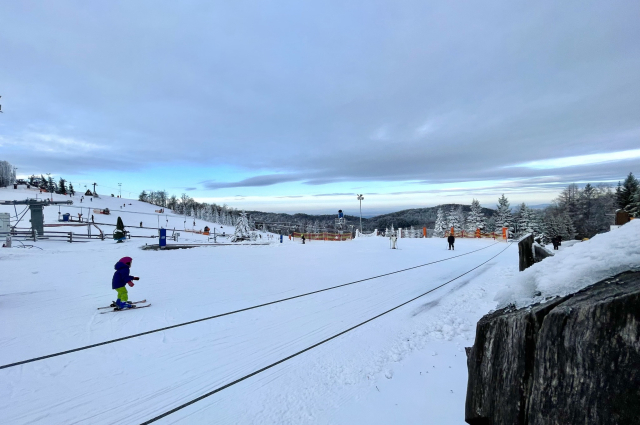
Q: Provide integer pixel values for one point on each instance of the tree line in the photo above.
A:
(575, 213)
(188, 206)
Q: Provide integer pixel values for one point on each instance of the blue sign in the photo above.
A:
(163, 237)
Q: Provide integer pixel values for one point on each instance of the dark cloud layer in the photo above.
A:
(321, 93)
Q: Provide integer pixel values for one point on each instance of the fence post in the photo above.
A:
(70, 237)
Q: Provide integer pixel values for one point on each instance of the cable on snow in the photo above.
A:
(210, 393)
(86, 347)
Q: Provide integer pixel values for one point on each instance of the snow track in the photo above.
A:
(169, 372)
(202, 397)
(86, 347)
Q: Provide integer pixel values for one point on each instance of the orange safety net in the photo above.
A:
(326, 236)
(476, 234)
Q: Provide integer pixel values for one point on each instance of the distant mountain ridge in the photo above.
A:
(417, 217)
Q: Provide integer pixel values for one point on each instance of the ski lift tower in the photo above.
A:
(35, 206)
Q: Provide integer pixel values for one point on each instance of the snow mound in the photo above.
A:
(570, 270)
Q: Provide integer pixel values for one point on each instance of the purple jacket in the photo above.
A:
(121, 276)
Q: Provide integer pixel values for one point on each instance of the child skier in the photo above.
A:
(120, 279)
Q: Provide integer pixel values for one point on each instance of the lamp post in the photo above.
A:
(360, 198)
(120, 190)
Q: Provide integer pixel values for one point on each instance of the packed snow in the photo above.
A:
(408, 366)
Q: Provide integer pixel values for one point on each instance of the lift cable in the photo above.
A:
(86, 347)
(210, 393)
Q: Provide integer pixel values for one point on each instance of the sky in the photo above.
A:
(297, 107)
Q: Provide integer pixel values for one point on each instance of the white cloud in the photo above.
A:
(572, 161)
(53, 143)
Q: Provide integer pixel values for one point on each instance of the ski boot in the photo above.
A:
(121, 305)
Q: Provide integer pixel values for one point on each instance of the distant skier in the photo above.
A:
(121, 278)
(451, 239)
(303, 239)
(557, 241)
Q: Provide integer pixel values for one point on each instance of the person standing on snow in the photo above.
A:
(120, 279)
(451, 239)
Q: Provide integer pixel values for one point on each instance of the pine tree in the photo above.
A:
(490, 225)
(51, 186)
(626, 191)
(634, 206)
(503, 216)
(242, 231)
(475, 218)
(453, 219)
(524, 220)
(441, 225)
(568, 230)
(62, 188)
(71, 190)
(143, 197)
(552, 228)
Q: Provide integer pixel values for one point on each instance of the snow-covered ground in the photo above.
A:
(583, 264)
(405, 367)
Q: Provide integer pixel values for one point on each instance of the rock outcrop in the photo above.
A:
(572, 360)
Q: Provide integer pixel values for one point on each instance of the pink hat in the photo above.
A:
(125, 260)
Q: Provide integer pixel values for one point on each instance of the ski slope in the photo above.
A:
(407, 366)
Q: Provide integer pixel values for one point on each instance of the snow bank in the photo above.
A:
(572, 269)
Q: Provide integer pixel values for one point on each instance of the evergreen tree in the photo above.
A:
(43, 183)
(475, 218)
(51, 186)
(242, 231)
(626, 191)
(144, 197)
(521, 219)
(552, 228)
(441, 224)
(503, 216)
(634, 206)
(453, 219)
(568, 230)
(62, 187)
(490, 225)
(71, 190)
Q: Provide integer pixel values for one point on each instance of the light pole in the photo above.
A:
(120, 190)
(360, 198)
(50, 185)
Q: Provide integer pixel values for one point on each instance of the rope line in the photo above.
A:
(86, 347)
(210, 393)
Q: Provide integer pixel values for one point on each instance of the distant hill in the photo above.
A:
(417, 217)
